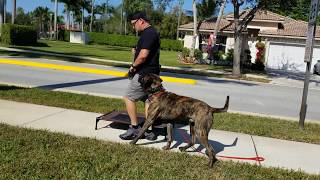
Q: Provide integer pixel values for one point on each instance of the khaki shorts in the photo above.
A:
(134, 90)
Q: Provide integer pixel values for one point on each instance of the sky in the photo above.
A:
(30, 5)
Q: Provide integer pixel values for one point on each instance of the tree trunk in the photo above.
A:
(91, 16)
(194, 8)
(14, 11)
(5, 12)
(216, 29)
(237, 44)
(1, 14)
(82, 20)
(179, 16)
(55, 20)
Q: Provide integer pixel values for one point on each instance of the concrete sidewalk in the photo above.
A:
(239, 147)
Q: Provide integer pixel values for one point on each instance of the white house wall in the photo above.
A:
(289, 56)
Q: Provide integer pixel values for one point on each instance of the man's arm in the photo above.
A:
(142, 56)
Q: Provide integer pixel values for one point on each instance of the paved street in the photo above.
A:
(249, 97)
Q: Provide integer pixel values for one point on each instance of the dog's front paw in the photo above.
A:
(166, 147)
(133, 142)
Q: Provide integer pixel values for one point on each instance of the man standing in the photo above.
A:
(146, 60)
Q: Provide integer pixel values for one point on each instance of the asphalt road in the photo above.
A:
(265, 99)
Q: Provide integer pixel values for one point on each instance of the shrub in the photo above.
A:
(230, 55)
(13, 34)
(198, 54)
(185, 52)
(64, 35)
(130, 41)
(172, 45)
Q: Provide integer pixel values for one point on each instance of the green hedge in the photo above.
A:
(64, 35)
(130, 41)
(13, 34)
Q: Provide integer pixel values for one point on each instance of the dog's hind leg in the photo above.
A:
(169, 136)
(203, 137)
(193, 138)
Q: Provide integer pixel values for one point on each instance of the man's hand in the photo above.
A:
(132, 72)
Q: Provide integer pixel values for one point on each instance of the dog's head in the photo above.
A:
(149, 82)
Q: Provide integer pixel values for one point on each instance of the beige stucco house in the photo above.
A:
(284, 38)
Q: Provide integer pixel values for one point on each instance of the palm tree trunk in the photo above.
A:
(14, 11)
(179, 16)
(5, 12)
(237, 44)
(91, 15)
(55, 19)
(82, 20)
(216, 28)
(1, 14)
(194, 8)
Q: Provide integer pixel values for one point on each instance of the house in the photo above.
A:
(284, 38)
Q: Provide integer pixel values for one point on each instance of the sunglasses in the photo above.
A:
(134, 23)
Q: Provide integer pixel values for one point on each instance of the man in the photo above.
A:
(146, 60)
(210, 46)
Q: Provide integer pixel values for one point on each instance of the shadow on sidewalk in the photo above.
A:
(292, 75)
(180, 136)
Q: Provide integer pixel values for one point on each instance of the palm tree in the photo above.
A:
(218, 21)
(42, 16)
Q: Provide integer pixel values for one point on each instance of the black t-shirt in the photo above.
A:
(149, 39)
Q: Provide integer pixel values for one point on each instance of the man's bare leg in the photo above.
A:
(132, 111)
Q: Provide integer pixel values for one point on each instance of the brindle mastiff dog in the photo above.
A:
(174, 108)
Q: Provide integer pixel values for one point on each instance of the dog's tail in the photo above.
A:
(224, 109)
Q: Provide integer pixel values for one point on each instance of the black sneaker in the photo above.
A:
(130, 134)
(150, 136)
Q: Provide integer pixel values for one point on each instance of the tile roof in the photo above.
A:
(290, 28)
(260, 15)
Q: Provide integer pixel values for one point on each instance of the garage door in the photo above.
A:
(289, 56)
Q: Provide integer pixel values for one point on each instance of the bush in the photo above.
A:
(172, 45)
(198, 54)
(185, 52)
(13, 34)
(64, 35)
(130, 41)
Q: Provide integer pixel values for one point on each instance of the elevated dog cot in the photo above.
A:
(121, 117)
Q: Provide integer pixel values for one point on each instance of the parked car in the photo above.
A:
(316, 68)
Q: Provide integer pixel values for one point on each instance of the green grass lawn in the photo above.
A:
(167, 58)
(261, 126)
(36, 154)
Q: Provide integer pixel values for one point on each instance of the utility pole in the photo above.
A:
(55, 19)
(308, 58)
(14, 11)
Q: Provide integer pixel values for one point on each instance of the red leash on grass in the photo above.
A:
(257, 158)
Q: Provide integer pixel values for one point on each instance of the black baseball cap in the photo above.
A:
(140, 15)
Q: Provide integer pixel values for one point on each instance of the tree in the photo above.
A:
(206, 9)
(42, 15)
(222, 6)
(23, 18)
